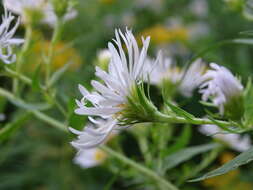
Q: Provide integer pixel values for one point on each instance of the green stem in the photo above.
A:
(160, 117)
(55, 38)
(50, 121)
(18, 76)
(28, 81)
(22, 57)
(36, 113)
(161, 181)
(59, 125)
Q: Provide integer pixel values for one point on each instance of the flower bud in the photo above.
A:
(224, 90)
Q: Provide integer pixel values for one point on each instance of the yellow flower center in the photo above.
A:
(100, 156)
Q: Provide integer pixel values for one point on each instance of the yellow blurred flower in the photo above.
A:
(229, 181)
(63, 55)
(160, 34)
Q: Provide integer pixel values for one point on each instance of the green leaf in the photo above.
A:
(248, 104)
(207, 104)
(35, 78)
(20, 103)
(186, 154)
(181, 141)
(180, 112)
(57, 75)
(13, 126)
(38, 106)
(247, 41)
(242, 159)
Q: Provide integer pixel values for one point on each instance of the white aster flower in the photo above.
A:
(192, 78)
(163, 69)
(90, 158)
(95, 133)
(235, 141)
(44, 6)
(221, 87)
(6, 38)
(187, 80)
(111, 98)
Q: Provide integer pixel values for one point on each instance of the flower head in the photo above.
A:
(192, 78)
(164, 69)
(90, 157)
(103, 59)
(224, 90)
(95, 133)
(112, 97)
(164, 72)
(21, 7)
(235, 141)
(6, 38)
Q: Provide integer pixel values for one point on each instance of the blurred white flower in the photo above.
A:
(44, 6)
(235, 141)
(6, 38)
(2, 117)
(89, 158)
(220, 86)
(199, 7)
(192, 78)
(161, 70)
(128, 19)
(187, 80)
(104, 55)
(155, 5)
(198, 30)
(110, 98)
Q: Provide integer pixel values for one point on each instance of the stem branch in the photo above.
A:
(161, 181)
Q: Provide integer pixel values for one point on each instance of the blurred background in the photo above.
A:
(39, 157)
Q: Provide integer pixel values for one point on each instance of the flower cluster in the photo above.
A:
(22, 7)
(6, 37)
(120, 100)
(186, 80)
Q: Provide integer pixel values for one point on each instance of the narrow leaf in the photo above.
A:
(186, 154)
(57, 75)
(13, 126)
(36, 78)
(180, 112)
(181, 141)
(242, 159)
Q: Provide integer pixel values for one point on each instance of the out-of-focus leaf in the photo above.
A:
(247, 41)
(242, 159)
(13, 126)
(57, 75)
(20, 103)
(248, 104)
(35, 78)
(186, 154)
(181, 141)
(37, 106)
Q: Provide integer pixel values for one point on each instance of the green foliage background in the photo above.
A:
(39, 157)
